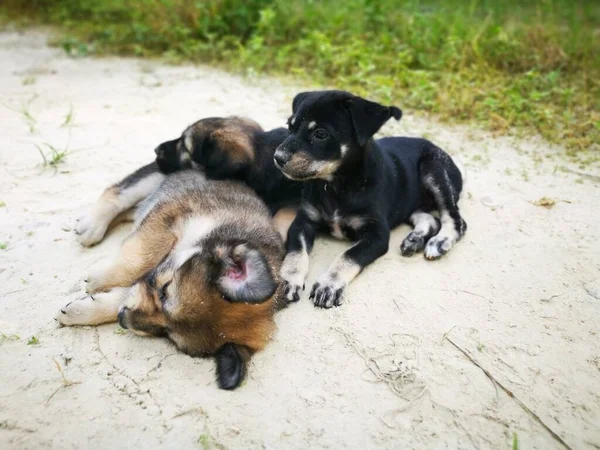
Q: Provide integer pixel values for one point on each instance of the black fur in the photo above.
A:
(366, 189)
(259, 173)
(231, 366)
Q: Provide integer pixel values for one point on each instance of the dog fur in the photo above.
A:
(231, 148)
(360, 188)
(200, 267)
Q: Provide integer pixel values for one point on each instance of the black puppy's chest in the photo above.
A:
(339, 213)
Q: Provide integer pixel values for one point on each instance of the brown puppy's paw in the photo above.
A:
(91, 228)
(91, 310)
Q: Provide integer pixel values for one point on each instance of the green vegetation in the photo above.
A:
(508, 65)
(33, 341)
(54, 157)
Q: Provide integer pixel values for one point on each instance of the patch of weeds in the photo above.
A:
(33, 341)
(120, 331)
(28, 81)
(69, 117)
(54, 157)
(2, 204)
(74, 47)
(507, 171)
(480, 347)
(9, 337)
(525, 175)
(3, 245)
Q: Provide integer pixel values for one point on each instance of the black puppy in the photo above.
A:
(359, 188)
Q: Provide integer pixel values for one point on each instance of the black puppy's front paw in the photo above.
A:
(413, 243)
(291, 291)
(327, 293)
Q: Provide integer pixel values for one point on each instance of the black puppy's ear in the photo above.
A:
(368, 117)
(245, 276)
(299, 98)
(232, 361)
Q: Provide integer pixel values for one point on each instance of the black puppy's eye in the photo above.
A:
(163, 292)
(320, 133)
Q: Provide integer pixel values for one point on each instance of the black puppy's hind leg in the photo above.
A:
(115, 200)
(443, 180)
(424, 227)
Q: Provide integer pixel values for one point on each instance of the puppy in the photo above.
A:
(360, 188)
(200, 267)
(223, 148)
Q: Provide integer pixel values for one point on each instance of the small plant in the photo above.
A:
(54, 157)
(69, 117)
(28, 81)
(27, 116)
(9, 337)
(480, 347)
(515, 442)
(2, 204)
(120, 331)
(3, 245)
(33, 341)
(204, 441)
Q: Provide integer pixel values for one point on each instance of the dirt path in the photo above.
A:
(521, 292)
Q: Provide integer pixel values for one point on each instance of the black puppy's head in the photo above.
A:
(328, 128)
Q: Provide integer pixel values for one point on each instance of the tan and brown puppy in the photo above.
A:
(200, 267)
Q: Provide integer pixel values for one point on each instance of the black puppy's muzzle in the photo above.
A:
(281, 158)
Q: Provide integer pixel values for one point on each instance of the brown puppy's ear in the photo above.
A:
(232, 361)
(299, 98)
(245, 276)
(368, 117)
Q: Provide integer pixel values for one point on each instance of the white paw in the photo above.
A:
(92, 310)
(91, 228)
(438, 246)
(96, 279)
(293, 276)
(328, 291)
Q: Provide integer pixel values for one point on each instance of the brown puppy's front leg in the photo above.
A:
(141, 251)
(328, 290)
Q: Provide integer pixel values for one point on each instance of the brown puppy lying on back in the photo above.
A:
(200, 267)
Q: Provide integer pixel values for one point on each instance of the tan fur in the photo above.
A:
(235, 142)
(283, 219)
(302, 166)
(194, 313)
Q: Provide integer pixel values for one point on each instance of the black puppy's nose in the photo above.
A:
(157, 150)
(281, 158)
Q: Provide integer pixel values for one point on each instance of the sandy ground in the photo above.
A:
(520, 293)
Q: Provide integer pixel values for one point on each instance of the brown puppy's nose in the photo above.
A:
(281, 159)
(121, 317)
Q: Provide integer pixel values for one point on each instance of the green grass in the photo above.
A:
(507, 65)
(54, 157)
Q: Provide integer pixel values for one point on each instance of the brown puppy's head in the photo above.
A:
(217, 298)
(327, 129)
(219, 146)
